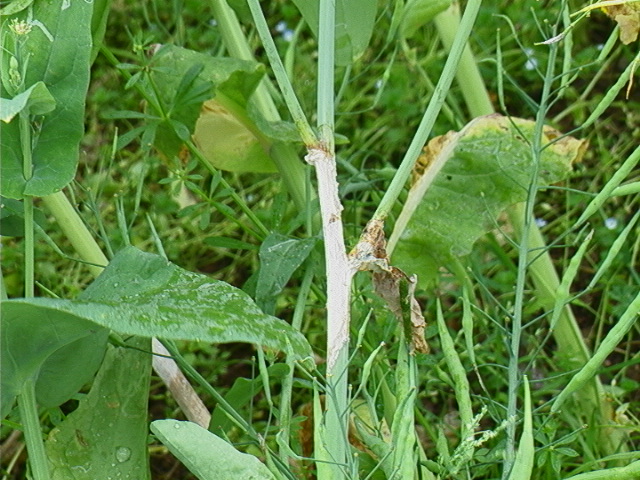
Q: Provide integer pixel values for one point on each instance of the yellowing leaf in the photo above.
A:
(627, 16)
(469, 178)
(228, 143)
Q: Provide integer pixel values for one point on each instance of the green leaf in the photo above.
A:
(206, 455)
(58, 54)
(106, 436)
(60, 349)
(15, 6)
(187, 79)
(354, 25)
(470, 178)
(209, 97)
(280, 256)
(12, 217)
(230, 140)
(35, 100)
(144, 294)
(417, 13)
(240, 394)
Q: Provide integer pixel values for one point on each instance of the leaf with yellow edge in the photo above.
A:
(627, 16)
(469, 178)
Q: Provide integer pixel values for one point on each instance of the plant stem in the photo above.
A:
(339, 272)
(32, 432)
(285, 157)
(27, 172)
(321, 155)
(541, 268)
(289, 95)
(431, 114)
(283, 436)
(523, 261)
(76, 231)
(468, 76)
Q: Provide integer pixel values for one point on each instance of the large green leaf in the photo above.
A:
(56, 51)
(354, 25)
(60, 349)
(106, 436)
(144, 294)
(206, 455)
(469, 179)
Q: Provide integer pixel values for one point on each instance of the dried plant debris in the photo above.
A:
(627, 16)
(390, 283)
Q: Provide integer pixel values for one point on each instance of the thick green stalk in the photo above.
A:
(339, 273)
(32, 432)
(27, 398)
(431, 114)
(468, 76)
(76, 231)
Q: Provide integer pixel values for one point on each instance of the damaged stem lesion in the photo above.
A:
(339, 270)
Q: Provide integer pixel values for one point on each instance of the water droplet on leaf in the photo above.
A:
(123, 454)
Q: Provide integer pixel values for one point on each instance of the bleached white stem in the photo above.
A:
(339, 271)
(182, 391)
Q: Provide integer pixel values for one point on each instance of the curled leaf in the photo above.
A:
(391, 283)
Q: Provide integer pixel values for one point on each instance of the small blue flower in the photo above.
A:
(611, 223)
(541, 222)
(287, 33)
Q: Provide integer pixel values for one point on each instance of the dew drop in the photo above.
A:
(123, 454)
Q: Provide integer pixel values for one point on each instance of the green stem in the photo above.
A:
(289, 95)
(541, 268)
(27, 172)
(29, 247)
(431, 114)
(32, 432)
(523, 261)
(339, 274)
(286, 159)
(76, 231)
(287, 382)
(468, 75)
